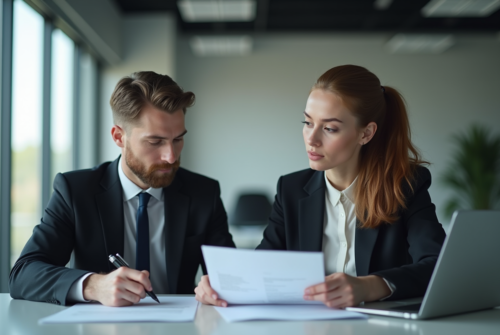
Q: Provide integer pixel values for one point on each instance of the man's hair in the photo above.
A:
(132, 93)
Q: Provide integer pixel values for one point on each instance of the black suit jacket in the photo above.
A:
(84, 221)
(404, 252)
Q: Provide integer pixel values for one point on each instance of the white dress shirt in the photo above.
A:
(156, 216)
(340, 230)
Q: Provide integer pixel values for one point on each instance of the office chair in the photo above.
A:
(251, 209)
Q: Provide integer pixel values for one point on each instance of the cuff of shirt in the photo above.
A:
(391, 286)
(75, 293)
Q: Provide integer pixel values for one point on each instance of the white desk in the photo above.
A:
(18, 317)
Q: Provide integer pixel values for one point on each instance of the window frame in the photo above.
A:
(7, 8)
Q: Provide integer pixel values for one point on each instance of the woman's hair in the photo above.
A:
(390, 157)
(132, 93)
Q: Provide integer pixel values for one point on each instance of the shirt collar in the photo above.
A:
(334, 194)
(130, 189)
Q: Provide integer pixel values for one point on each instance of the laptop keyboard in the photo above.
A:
(407, 308)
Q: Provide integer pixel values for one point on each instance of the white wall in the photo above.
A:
(245, 128)
(149, 42)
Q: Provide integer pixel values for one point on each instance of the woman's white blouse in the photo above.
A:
(339, 230)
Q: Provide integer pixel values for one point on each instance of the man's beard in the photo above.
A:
(151, 176)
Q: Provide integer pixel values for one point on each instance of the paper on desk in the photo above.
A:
(170, 309)
(261, 276)
(237, 313)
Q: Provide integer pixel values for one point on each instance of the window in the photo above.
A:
(72, 110)
(87, 120)
(26, 124)
(41, 133)
(61, 133)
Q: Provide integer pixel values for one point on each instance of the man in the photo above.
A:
(142, 206)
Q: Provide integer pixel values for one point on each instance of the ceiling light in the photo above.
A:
(217, 10)
(460, 8)
(434, 44)
(382, 4)
(221, 45)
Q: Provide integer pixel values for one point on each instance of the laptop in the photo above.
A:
(467, 273)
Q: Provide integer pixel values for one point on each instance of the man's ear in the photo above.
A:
(118, 135)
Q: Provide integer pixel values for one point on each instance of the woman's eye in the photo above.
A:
(306, 123)
(331, 130)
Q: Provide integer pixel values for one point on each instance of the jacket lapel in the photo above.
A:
(311, 217)
(176, 220)
(364, 242)
(110, 207)
(311, 213)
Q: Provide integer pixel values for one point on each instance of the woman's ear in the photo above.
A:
(368, 133)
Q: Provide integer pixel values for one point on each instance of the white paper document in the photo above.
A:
(170, 309)
(285, 312)
(263, 277)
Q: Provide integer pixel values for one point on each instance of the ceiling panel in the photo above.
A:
(326, 16)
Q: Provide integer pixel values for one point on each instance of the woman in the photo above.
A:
(365, 200)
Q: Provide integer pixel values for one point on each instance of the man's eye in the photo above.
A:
(178, 139)
(155, 143)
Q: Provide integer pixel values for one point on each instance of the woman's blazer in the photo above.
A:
(404, 252)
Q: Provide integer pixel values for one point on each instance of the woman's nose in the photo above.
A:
(313, 139)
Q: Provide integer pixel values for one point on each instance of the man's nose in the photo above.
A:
(168, 154)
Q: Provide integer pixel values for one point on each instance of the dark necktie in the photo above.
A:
(142, 246)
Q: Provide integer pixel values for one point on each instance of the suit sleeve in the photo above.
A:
(218, 230)
(274, 235)
(40, 273)
(425, 236)
(218, 234)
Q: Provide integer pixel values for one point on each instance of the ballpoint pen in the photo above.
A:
(118, 261)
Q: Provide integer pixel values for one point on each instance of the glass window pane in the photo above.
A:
(87, 118)
(26, 124)
(61, 139)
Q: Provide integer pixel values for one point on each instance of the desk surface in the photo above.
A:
(21, 317)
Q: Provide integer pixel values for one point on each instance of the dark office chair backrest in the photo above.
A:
(251, 210)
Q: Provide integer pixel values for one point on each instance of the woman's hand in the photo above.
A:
(340, 290)
(206, 295)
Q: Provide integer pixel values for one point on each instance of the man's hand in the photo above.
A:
(206, 295)
(122, 287)
(340, 290)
